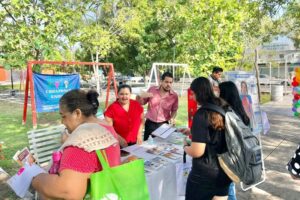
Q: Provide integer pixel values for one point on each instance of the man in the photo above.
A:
(162, 104)
(215, 79)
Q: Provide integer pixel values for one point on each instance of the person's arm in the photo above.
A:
(69, 184)
(144, 97)
(185, 131)
(196, 149)
(121, 140)
(140, 133)
(109, 120)
(174, 111)
(173, 116)
(200, 133)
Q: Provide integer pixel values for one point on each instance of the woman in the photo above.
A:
(230, 93)
(293, 165)
(247, 102)
(79, 160)
(127, 117)
(206, 180)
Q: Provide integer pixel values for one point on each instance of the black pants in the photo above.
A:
(203, 189)
(150, 126)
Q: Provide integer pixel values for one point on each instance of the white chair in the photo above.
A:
(42, 143)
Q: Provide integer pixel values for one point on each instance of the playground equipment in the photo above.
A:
(182, 69)
(30, 83)
(296, 92)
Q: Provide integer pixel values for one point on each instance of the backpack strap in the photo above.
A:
(214, 108)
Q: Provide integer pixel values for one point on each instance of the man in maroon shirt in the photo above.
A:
(162, 104)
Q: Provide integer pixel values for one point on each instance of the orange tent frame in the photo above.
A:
(30, 86)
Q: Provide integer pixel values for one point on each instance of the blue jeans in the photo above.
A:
(231, 193)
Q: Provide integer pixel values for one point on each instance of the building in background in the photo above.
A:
(278, 58)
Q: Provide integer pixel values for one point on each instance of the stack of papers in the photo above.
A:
(166, 150)
(164, 131)
(154, 164)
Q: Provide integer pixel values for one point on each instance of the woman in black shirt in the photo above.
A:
(206, 180)
(230, 93)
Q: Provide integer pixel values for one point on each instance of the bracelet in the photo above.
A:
(185, 145)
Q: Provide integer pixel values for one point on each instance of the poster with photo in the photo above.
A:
(246, 84)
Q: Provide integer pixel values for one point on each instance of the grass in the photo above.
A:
(5, 87)
(14, 137)
(182, 114)
(265, 97)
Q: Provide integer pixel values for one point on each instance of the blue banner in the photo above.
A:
(48, 89)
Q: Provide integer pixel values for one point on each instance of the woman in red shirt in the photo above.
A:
(79, 160)
(127, 117)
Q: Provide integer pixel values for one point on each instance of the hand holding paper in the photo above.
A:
(21, 181)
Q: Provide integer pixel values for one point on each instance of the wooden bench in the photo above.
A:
(42, 143)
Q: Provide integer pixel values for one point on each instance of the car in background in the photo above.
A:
(265, 79)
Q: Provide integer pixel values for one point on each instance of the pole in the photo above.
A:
(270, 75)
(257, 74)
(285, 72)
(174, 49)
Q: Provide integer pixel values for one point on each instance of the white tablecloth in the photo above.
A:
(162, 183)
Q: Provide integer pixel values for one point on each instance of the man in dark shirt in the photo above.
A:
(215, 79)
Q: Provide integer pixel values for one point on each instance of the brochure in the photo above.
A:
(171, 153)
(160, 160)
(22, 156)
(155, 164)
(21, 181)
(164, 131)
(176, 138)
(152, 166)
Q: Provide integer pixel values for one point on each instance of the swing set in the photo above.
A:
(29, 87)
(182, 71)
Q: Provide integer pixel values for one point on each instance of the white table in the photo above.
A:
(161, 183)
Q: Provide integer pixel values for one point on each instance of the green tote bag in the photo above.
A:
(123, 182)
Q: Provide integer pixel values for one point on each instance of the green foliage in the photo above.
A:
(135, 33)
(291, 23)
(212, 35)
(33, 30)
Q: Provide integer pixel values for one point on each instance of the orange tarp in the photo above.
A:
(3, 74)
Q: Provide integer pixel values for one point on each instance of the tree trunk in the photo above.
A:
(11, 79)
(257, 75)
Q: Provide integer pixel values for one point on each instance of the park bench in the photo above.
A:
(42, 143)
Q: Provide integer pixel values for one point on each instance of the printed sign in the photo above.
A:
(48, 89)
(246, 84)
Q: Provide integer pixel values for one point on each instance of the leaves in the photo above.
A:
(133, 34)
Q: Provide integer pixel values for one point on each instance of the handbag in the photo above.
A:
(123, 182)
(182, 172)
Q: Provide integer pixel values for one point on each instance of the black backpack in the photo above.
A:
(243, 160)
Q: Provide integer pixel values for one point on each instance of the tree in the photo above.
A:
(290, 23)
(33, 29)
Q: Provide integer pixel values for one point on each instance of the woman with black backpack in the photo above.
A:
(230, 93)
(206, 180)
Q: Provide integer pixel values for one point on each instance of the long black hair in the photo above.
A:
(230, 93)
(204, 94)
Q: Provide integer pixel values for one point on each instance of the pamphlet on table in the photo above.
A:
(164, 131)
